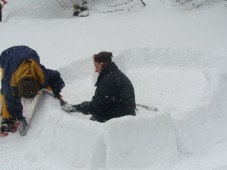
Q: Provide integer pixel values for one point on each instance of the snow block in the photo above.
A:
(140, 141)
(119, 143)
(75, 142)
(205, 127)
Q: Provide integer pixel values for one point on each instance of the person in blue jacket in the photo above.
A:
(22, 78)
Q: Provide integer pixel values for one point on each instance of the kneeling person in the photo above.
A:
(114, 96)
(23, 77)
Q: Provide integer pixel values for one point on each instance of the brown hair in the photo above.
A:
(103, 57)
(28, 88)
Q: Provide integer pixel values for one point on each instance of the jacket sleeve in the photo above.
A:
(14, 106)
(84, 108)
(101, 101)
(55, 81)
(104, 97)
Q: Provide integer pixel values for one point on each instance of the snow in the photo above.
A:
(176, 60)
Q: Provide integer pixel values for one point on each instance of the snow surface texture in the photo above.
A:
(176, 60)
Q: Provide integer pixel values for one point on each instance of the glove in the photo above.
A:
(68, 108)
(57, 95)
(23, 127)
(63, 103)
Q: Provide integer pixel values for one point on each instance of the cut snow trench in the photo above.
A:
(185, 124)
(109, 142)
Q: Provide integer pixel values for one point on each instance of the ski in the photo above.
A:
(150, 108)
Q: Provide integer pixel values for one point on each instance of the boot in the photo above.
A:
(8, 125)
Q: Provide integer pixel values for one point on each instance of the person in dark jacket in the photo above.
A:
(114, 96)
(22, 77)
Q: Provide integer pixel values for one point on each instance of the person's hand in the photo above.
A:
(23, 127)
(63, 103)
(68, 108)
(57, 95)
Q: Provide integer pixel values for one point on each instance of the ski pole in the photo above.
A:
(65, 4)
(148, 107)
(62, 5)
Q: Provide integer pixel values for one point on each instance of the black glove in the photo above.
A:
(23, 127)
(57, 95)
(63, 103)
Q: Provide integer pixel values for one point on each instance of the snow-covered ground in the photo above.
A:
(176, 60)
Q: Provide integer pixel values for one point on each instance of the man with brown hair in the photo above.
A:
(23, 77)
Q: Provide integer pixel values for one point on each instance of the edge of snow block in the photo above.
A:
(61, 135)
(205, 126)
(140, 141)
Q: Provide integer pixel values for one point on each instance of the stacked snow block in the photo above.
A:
(131, 142)
(205, 126)
(134, 142)
(128, 142)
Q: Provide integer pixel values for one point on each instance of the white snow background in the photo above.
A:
(176, 59)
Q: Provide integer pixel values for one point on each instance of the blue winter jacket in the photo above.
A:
(10, 60)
